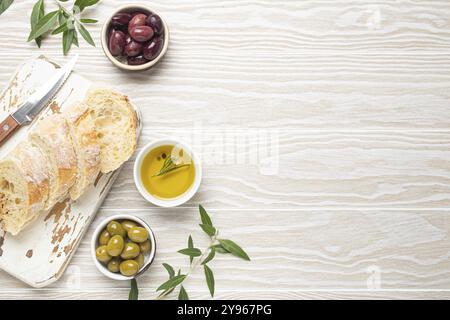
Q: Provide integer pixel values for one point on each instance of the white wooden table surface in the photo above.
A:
(324, 131)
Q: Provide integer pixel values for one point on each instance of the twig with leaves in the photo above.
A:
(196, 258)
(62, 21)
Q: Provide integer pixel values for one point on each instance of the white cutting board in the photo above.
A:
(40, 253)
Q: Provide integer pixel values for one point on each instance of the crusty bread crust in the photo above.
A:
(32, 163)
(25, 174)
(52, 136)
(85, 140)
(113, 114)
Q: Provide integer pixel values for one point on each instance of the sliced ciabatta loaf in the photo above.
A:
(24, 187)
(116, 122)
(52, 136)
(87, 148)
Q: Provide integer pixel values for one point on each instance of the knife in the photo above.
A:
(36, 102)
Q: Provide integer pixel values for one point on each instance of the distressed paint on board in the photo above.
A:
(40, 253)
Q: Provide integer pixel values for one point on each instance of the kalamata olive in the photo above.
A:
(135, 13)
(136, 61)
(128, 39)
(155, 22)
(141, 33)
(116, 42)
(153, 48)
(121, 19)
(137, 21)
(133, 49)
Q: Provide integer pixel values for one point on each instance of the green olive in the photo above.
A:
(115, 246)
(102, 255)
(113, 265)
(130, 251)
(129, 268)
(128, 224)
(104, 238)
(145, 246)
(116, 228)
(140, 260)
(138, 234)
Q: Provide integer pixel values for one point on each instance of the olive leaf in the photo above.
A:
(36, 14)
(219, 249)
(169, 269)
(171, 273)
(44, 25)
(88, 20)
(83, 4)
(75, 39)
(234, 249)
(67, 40)
(209, 279)
(172, 283)
(210, 256)
(183, 294)
(192, 252)
(217, 246)
(209, 230)
(61, 28)
(85, 34)
(4, 4)
(204, 216)
(134, 290)
(62, 17)
(190, 245)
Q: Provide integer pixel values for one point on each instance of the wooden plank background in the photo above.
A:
(323, 127)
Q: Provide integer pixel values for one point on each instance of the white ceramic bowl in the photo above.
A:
(148, 257)
(167, 202)
(105, 40)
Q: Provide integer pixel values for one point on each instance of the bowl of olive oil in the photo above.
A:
(167, 173)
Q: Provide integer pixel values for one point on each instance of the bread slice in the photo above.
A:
(52, 137)
(24, 187)
(116, 123)
(87, 148)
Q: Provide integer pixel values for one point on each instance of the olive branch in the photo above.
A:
(196, 258)
(62, 21)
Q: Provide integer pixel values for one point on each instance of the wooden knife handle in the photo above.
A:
(7, 127)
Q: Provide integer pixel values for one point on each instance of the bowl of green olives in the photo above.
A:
(123, 247)
(135, 37)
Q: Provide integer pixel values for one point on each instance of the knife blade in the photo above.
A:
(36, 102)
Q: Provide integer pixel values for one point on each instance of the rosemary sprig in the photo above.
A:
(198, 257)
(169, 166)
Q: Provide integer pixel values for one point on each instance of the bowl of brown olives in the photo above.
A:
(123, 247)
(135, 37)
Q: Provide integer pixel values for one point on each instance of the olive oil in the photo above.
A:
(172, 184)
